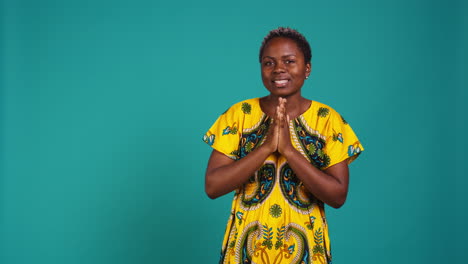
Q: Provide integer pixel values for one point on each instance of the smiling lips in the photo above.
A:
(280, 83)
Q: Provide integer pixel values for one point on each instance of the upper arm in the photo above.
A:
(340, 172)
(342, 143)
(217, 160)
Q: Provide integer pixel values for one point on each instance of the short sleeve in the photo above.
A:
(224, 134)
(342, 142)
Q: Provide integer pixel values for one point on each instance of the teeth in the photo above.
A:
(281, 81)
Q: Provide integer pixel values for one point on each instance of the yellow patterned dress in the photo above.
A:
(274, 219)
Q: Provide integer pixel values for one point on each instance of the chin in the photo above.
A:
(282, 93)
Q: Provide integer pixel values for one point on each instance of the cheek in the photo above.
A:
(300, 73)
(266, 82)
(264, 75)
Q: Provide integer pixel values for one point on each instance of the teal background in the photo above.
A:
(103, 105)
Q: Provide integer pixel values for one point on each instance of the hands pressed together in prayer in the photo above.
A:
(278, 138)
(224, 174)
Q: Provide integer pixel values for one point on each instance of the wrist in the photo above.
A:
(288, 152)
(267, 149)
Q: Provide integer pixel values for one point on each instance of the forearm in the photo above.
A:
(224, 179)
(324, 186)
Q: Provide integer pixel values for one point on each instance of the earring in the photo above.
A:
(307, 77)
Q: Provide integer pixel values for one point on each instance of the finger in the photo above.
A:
(283, 102)
(277, 114)
(281, 108)
(281, 113)
(280, 119)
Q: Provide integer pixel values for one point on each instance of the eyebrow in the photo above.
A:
(284, 56)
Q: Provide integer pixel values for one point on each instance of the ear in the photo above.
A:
(308, 69)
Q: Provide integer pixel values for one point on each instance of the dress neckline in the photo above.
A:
(265, 114)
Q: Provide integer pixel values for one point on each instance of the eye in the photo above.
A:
(267, 63)
(289, 61)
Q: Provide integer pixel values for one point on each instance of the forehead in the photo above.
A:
(281, 46)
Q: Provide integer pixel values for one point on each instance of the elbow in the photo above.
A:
(211, 194)
(338, 202)
(210, 191)
(336, 205)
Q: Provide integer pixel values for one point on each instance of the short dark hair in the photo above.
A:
(286, 32)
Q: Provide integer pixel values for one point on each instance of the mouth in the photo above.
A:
(281, 83)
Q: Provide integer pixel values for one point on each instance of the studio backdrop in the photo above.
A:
(103, 105)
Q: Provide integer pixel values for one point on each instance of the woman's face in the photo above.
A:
(283, 67)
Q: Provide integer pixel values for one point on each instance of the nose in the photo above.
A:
(279, 67)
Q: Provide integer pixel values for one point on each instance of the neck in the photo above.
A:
(295, 105)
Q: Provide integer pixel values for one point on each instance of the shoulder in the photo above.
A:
(244, 107)
(322, 119)
(322, 112)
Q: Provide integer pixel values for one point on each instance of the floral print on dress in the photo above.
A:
(274, 218)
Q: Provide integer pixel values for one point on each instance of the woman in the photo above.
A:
(285, 156)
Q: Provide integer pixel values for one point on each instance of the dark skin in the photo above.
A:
(283, 73)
